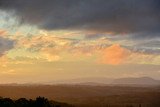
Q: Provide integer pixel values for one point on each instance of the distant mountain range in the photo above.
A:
(137, 81)
(108, 81)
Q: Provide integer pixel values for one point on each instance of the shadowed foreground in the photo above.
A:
(38, 102)
(80, 96)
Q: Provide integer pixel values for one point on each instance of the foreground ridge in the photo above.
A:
(38, 102)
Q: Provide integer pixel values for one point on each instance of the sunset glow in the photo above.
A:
(77, 39)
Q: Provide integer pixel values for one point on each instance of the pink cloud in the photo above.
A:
(114, 55)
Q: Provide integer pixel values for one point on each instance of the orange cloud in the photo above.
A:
(115, 54)
(3, 33)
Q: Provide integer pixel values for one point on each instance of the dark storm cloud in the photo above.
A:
(145, 50)
(129, 16)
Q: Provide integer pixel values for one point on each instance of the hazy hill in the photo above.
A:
(137, 81)
(84, 81)
(108, 81)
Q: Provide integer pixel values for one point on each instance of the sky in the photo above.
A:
(48, 40)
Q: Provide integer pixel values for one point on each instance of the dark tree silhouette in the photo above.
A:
(6, 102)
(23, 102)
(42, 102)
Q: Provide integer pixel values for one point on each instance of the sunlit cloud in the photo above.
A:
(115, 54)
(3, 32)
(49, 47)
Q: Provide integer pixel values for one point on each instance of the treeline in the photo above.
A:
(38, 102)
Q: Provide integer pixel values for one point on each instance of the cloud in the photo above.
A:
(3, 32)
(114, 55)
(47, 47)
(117, 54)
(119, 16)
(5, 45)
(51, 48)
(40, 47)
